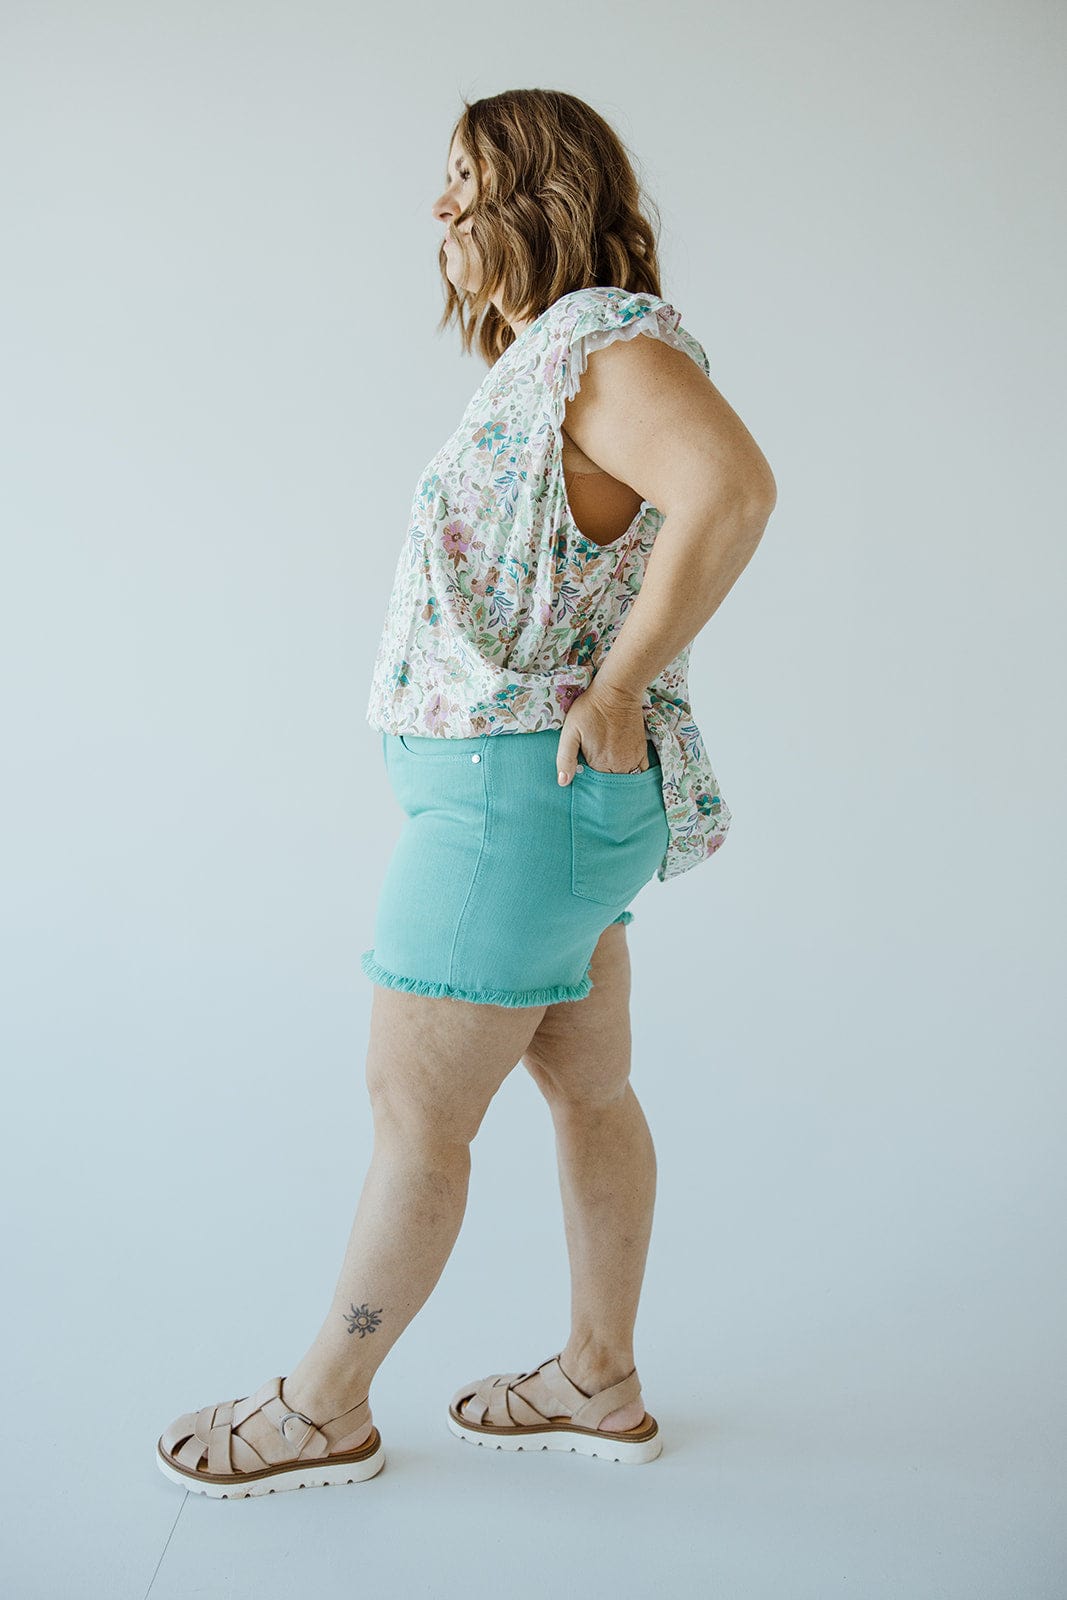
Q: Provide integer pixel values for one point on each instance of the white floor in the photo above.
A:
(851, 1329)
(819, 1476)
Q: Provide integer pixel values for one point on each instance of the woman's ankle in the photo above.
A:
(593, 1368)
(323, 1395)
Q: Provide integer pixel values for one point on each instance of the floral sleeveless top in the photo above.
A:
(501, 610)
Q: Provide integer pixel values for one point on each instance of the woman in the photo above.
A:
(566, 545)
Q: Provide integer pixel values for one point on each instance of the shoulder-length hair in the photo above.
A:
(559, 208)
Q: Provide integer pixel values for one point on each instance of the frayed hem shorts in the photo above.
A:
(503, 879)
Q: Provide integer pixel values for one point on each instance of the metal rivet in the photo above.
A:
(579, 768)
(476, 757)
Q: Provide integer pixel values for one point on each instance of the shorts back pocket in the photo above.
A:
(619, 833)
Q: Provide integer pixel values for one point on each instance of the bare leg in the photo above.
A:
(580, 1059)
(433, 1066)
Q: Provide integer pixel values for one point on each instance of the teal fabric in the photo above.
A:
(502, 879)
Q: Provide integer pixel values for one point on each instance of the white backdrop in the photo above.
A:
(221, 379)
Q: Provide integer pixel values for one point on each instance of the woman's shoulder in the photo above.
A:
(600, 314)
(605, 305)
(587, 319)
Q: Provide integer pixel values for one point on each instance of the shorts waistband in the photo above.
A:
(481, 741)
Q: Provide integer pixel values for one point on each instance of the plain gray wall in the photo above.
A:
(221, 380)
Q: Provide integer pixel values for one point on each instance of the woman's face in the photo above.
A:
(462, 265)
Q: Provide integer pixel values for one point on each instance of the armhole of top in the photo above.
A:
(659, 321)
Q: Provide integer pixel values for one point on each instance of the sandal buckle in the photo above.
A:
(285, 1419)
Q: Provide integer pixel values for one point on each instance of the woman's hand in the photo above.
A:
(608, 727)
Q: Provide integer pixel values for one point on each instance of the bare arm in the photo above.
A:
(648, 415)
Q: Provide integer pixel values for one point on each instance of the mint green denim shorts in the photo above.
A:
(502, 879)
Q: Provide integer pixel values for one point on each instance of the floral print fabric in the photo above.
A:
(501, 611)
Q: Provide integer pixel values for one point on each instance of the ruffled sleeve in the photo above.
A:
(597, 317)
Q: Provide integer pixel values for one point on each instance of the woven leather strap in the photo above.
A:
(291, 1437)
(550, 1395)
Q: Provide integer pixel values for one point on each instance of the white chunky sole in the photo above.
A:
(580, 1441)
(303, 1475)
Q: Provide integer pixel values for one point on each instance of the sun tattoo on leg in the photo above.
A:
(363, 1320)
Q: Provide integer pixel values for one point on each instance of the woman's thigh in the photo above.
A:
(434, 1063)
(580, 1051)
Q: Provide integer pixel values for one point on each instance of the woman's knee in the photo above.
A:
(434, 1065)
(569, 1089)
(420, 1103)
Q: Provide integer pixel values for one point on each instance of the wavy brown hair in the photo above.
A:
(560, 208)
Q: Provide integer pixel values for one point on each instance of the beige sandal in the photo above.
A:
(563, 1417)
(201, 1451)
